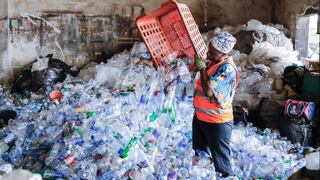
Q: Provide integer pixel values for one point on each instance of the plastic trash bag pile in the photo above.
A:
(270, 51)
(40, 74)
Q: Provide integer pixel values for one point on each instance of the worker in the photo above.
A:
(213, 118)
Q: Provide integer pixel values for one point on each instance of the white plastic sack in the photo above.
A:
(252, 79)
(255, 25)
(313, 161)
(88, 72)
(275, 57)
(21, 174)
(108, 75)
(5, 167)
(138, 49)
(265, 69)
(120, 61)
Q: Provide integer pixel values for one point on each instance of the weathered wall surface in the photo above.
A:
(234, 12)
(226, 12)
(88, 7)
(287, 12)
(76, 39)
(3, 9)
(88, 27)
(74, 31)
(4, 60)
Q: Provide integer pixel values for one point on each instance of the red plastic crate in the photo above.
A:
(171, 28)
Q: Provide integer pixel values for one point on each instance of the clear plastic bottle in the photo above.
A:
(144, 163)
(88, 172)
(184, 74)
(49, 174)
(171, 75)
(179, 91)
(171, 58)
(124, 168)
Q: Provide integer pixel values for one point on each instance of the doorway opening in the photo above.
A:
(308, 37)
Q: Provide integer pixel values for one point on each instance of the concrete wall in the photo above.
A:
(234, 12)
(76, 31)
(88, 27)
(287, 12)
(220, 13)
(5, 72)
(4, 9)
(88, 7)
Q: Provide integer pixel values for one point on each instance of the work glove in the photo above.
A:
(200, 63)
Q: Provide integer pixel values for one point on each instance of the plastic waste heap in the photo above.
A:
(96, 133)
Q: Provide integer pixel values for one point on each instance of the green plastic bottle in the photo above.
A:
(131, 143)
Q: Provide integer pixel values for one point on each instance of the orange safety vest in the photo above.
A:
(208, 111)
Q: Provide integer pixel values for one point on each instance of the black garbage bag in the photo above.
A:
(245, 116)
(5, 116)
(270, 112)
(306, 174)
(240, 114)
(55, 72)
(293, 76)
(23, 81)
(297, 132)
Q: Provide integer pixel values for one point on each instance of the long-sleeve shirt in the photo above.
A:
(223, 84)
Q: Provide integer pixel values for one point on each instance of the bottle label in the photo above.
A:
(3, 147)
(144, 164)
(9, 138)
(52, 174)
(78, 140)
(69, 160)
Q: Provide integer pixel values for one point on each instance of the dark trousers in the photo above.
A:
(217, 137)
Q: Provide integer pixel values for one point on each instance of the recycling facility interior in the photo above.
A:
(95, 30)
(90, 27)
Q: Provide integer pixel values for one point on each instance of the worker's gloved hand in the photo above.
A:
(200, 63)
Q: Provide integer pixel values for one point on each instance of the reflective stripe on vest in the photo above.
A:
(214, 111)
(214, 118)
(206, 110)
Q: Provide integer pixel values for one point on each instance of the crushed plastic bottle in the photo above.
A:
(171, 58)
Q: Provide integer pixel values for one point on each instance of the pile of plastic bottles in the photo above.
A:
(264, 154)
(81, 130)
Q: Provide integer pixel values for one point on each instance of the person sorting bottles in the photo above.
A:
(215, 89)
